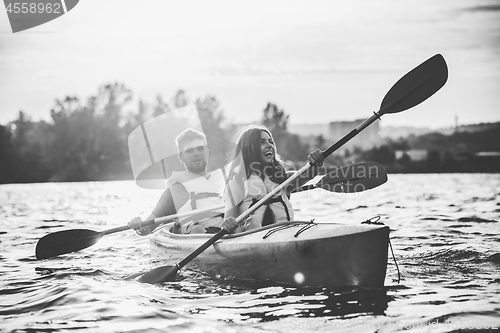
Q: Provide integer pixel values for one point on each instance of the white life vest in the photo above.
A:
(203, 193)
(280, 206)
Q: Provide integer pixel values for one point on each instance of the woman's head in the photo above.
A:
(258, 149)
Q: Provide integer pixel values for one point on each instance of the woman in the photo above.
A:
(260, 170)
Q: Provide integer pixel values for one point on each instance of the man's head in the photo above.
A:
(193, 150)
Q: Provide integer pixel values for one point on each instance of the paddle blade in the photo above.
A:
(416, 86)
(354, 178)
(66, 241)
(160, 274)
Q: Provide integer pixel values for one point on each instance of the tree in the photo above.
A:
(449, 162)
(405, 159)
(88, 142)
(137, 118)
(8, 170)
(71, 142)
(290, 146)
(28, 141)
(434, 160)
(111, 99)
(383, 155)
(180, 99)
(160, 107)
(320, 142)
(274, 119)
(213, 123)
(294, 149)
(401, 144)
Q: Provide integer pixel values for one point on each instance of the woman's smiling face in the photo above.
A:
(267, 147)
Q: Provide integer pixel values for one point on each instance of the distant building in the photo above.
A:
(398, 132)
(306, 130)
(366, 139)
(414, 154)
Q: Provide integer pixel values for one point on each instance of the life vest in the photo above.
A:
(277, 209)
(204, 192)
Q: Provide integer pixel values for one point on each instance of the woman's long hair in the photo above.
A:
(249, 145)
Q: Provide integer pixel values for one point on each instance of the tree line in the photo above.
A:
(456, 152)
(86, 140)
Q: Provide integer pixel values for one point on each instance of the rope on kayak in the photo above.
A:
(373, 220)
(376, 220)
(395, 262)
(304, 228)
(272, 231)
(283, 227)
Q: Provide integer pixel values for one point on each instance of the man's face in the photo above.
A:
(195, 156)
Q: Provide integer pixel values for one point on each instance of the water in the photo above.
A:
(445, 236)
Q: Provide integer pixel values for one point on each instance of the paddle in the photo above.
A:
(349, 179)
(67, 241)
(412, 89)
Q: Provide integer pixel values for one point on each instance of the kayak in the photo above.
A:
(297, 253)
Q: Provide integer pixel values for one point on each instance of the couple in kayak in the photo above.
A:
(256, 170)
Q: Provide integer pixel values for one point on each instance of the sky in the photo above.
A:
(319, 61)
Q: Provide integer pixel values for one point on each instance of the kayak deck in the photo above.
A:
(295, 253)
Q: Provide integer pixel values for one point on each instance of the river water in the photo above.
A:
(444, 231)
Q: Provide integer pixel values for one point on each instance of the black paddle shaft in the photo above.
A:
(202, 248)
(350, 135)
(169, 273)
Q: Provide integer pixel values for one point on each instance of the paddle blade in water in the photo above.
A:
(160, 274)
(66, 241)
(169, 273)
(416, 86)
(355, 178)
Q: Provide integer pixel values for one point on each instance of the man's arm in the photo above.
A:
(165, 206)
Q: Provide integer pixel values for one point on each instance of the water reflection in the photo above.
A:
(331, 303)
(242, 301)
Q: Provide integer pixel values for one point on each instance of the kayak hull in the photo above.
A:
(293, 253)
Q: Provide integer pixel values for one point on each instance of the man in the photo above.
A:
(189, 190)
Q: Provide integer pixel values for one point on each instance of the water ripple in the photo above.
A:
(445, 242)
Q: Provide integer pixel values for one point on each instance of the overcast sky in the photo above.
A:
(320, 61)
